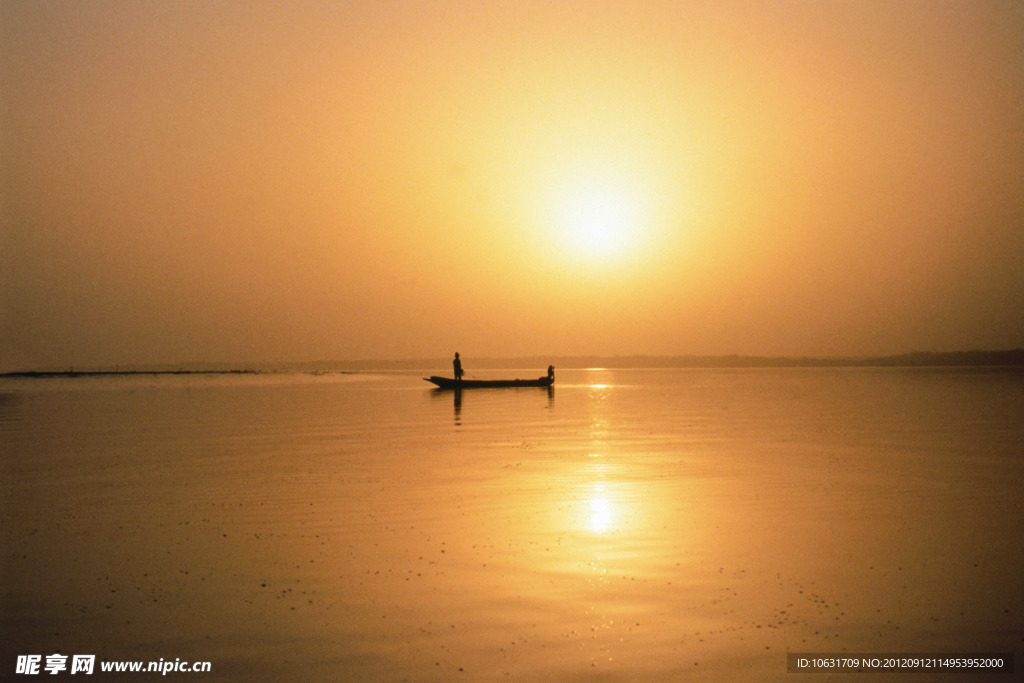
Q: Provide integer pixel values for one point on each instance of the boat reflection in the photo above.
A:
(457, 396)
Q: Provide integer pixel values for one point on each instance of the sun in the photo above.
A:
(598, 217)
(598, 220)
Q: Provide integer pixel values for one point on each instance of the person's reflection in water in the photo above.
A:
(458, 407)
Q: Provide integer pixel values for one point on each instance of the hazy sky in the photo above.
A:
(260, 181)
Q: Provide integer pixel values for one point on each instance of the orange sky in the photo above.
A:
(266, 181)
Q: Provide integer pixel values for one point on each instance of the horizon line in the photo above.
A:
(968, 358)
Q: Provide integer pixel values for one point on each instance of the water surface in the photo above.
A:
(627, 524)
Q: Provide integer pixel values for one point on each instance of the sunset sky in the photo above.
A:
(289, 181)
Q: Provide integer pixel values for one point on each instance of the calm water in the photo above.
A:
(628, 524)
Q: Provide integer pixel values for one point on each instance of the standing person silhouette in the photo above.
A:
(457, 366)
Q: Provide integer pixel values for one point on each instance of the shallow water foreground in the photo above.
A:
(626, 525)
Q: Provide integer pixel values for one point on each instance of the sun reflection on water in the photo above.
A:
(601, 511)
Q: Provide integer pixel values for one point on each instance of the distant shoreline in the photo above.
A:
(1005, 358)
(92, 373)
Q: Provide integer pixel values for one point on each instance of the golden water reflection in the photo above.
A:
(529, 544)
(601, 511)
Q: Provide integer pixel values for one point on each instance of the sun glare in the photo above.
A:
(598, 218)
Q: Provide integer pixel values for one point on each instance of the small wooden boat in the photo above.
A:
(449, 383)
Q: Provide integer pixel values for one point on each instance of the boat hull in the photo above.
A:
(449, 383)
